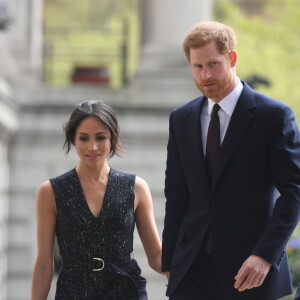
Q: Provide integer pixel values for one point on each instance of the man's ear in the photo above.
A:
(233, 58)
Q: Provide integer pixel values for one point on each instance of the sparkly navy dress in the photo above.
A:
(96, 250)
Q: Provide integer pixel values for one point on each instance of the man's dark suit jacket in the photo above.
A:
(260, 156)
(297, 296)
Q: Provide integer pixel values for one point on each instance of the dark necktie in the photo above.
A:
(212, 153)
(213, 141)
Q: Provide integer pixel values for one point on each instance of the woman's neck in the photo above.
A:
(96, 174)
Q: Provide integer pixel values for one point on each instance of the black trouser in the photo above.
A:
(200, 282)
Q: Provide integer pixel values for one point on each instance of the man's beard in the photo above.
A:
(219, 91)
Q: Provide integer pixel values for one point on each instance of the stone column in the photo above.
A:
(166, 22)
(24, 48)
(8, 125)
(163, 74)
(36, 47)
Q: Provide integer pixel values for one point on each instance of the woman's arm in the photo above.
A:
(46, 218)
(146, 225)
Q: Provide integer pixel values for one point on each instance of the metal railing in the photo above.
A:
(92, 54)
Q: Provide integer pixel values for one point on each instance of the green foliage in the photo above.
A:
(269, 46)
(293, 250)
(87, 12)
(91, 33)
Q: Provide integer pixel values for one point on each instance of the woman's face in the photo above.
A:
(92, 142)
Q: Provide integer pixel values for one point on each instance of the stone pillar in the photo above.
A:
(8, 125)
(163, 74)
(36, 47)
(24, 47)
(167, 21)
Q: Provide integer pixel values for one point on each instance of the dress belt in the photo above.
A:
(95, 263)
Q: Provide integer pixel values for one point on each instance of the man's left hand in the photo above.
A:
(252, 273)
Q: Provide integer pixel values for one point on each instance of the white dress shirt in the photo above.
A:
(227, 105)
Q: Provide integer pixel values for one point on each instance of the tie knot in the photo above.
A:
(215, 109)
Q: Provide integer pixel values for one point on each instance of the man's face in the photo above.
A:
(213, 72)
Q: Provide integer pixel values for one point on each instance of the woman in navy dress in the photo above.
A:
(93, 209)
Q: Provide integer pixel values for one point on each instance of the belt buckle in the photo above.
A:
(102, 261)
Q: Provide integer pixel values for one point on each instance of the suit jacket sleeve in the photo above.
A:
(297, 296)
(176, 193)
(285, 171)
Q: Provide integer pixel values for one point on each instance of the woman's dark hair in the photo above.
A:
(100, 111)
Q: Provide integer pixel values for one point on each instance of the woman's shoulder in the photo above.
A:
(45, 187)
(122, 175)
(64, 176)
(139, 181)
(63, 182)
(45, 197)
(141, 187)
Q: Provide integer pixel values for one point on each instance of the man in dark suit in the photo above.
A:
(297, 296)
(232, 182)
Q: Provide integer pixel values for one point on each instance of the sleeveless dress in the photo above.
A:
(96, 251)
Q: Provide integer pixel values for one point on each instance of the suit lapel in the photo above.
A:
(240, 121)
(195, 140)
